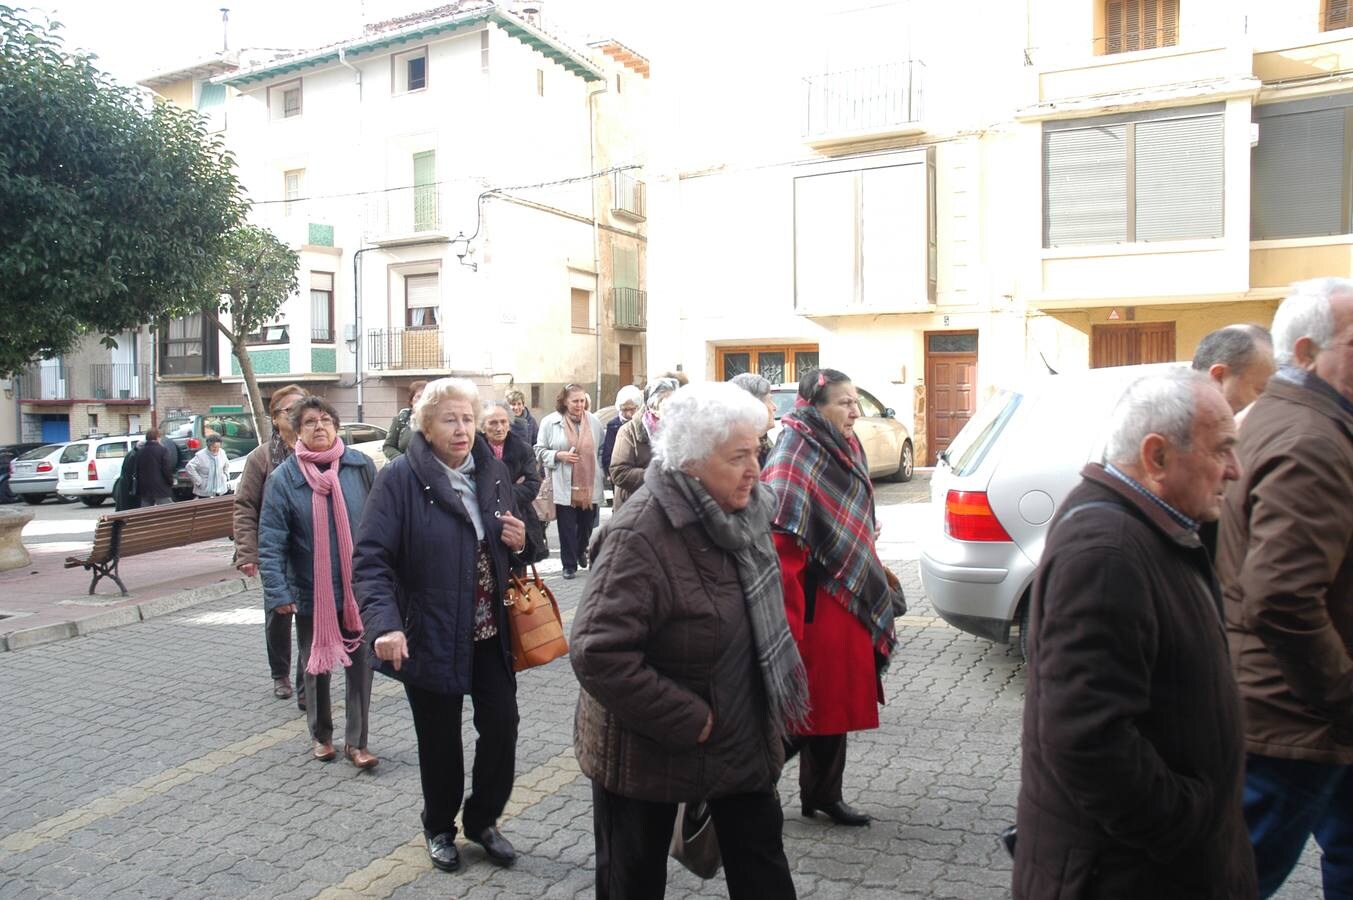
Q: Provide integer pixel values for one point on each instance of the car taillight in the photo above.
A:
(43, 466)
(968, 517)
(93, 471)
(194, 444)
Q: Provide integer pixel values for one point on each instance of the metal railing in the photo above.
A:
(322, 334)
(119, 381)
(627, 195)
(406, 348)
(631, 307)
(44, 383)
(863, 99)
(404, 211)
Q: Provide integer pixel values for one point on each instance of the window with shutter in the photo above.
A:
(321, 306)
(422, 300)
(580, 310)
(1299, 171)
(1085, 186)
(1178, 179)
(1337, 14)
(1140, 25)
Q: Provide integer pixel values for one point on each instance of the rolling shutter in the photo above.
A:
(1298, 175)
(1085, 186)
(1337, 14)
(1178, 179)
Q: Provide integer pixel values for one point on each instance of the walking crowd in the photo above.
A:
(1188, 721)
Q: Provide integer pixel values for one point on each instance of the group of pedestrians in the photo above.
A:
(1188, 722)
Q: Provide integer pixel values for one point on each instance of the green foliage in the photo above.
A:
(257, 274)
(113, 210)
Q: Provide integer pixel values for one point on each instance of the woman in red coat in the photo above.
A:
(838, 597)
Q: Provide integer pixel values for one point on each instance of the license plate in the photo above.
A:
(70, 476)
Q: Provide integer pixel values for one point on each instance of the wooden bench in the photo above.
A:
(153, 528)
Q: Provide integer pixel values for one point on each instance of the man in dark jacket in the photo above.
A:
(1132, 751)
(1285, 558)
(154, 471)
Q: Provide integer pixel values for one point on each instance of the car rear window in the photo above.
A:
(41, 452)
(970, 446)
(75, 453)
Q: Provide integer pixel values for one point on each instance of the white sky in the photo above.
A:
(136, 38)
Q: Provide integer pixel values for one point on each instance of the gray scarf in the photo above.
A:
(746, 535)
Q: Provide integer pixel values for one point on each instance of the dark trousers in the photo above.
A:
(441, 762)
(357, 691)
(575, 532)
(277, 633)
(632, 838)
(822, 767)
(1287, 801)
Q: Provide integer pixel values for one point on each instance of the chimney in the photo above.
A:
(225, 28)
(530, 10)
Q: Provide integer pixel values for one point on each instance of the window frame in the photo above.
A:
(1163, 35)
(436, 307)
(1326, 14)
(332, 331)
(754, 351)
(277, 94)
(573, 297)
(289, 201)
(399, 71)
(1307, 107)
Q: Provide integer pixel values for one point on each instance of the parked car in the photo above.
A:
(9, 453)
(189, 433)
(358, 435)
(997, 486)
(32, 475)
(88, 469)
(886, 441)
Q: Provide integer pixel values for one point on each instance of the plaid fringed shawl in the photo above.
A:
(825, 499)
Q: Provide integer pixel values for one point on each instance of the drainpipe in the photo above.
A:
(357, 328)
(596, 230)
(343, 61)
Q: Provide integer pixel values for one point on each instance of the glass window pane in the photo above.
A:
(735, 364)
(869, 406)
(418, 68)
(771, 366)
(803, 361)
(952, 343)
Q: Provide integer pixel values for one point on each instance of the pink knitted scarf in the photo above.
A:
(330, 648)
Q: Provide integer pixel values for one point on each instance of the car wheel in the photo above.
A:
(33, 499)
(93, 501)
(906, 466)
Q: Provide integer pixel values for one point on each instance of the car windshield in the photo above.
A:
(41, 452)
(969, 447)
(177, 427)
(784, 401)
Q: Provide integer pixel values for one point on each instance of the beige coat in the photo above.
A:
(631, 456)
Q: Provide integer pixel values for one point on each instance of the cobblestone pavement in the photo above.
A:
(153, 761)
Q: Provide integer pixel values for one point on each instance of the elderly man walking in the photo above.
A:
(1286, 562)
(1239, 360)
(1132, 751)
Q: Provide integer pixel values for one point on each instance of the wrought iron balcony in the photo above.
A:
(406, 348)
(627, 197)
(631, 307)
(866, 102)
(44, 383)
(406, 215)
(120, 381)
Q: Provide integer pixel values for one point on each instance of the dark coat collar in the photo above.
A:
(1157, 517)
(427, 469)
(678, 509)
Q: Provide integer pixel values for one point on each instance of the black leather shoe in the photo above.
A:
(839, 813)
(496, 846)
(443, 853)
(583, 560)
(569, 576)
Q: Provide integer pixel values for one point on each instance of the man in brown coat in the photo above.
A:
(1285, 558)
(1132, 750)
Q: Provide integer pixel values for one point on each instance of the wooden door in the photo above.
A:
(951, 387)
(1135, 343)
(626, 364)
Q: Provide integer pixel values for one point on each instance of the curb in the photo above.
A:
(125, 615)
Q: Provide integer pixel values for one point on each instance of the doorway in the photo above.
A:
(1132, 344)
(951, 387)
(626, 364)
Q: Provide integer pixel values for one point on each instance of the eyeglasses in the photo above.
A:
(312, 424)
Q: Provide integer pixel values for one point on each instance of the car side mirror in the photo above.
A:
(889, 413)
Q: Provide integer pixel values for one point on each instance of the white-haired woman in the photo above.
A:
(431, 564)
(759, 386)
(627, 402)
(634, 443)
(569, 447)
(689, 673)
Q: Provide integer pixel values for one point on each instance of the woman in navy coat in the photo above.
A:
(431, 564)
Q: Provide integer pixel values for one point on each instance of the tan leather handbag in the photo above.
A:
(533, 616)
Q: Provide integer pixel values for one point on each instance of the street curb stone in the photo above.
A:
(126, 615)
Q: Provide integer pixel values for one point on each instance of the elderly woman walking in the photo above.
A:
(263, 460)
(634, 442)
(207, 469)
(401, 432)
(312, 505)
(760, 387)
(839, 597)
(432, 564)
(523, 473)
(569, 447)
(689, 674)
(627, 402)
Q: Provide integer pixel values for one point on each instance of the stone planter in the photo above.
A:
(13, 554)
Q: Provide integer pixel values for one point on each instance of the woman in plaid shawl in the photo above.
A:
(839, 597)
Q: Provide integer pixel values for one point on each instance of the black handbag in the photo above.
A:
(694, 843)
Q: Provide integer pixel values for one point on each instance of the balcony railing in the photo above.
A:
(406, 214)
(873, 98)
(321, 334)
(627, 196)
(406, 348)
(631, 307)
(45, 383)
(119, 381)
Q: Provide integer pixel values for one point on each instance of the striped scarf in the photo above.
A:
(746, 535)
(825, 499)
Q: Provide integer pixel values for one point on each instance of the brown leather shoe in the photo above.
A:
(281, 688)
(323, 751)
(360, 758)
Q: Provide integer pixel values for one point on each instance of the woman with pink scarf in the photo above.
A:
(311, 508)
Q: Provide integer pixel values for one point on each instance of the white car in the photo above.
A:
(358, 435)
(88, 469)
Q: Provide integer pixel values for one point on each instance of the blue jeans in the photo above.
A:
(1287, 801)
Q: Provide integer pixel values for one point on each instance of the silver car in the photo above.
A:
(997, 486)
(886, 441)
(33, 476)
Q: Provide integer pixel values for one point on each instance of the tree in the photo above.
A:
(257, 273)
(114, 209)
